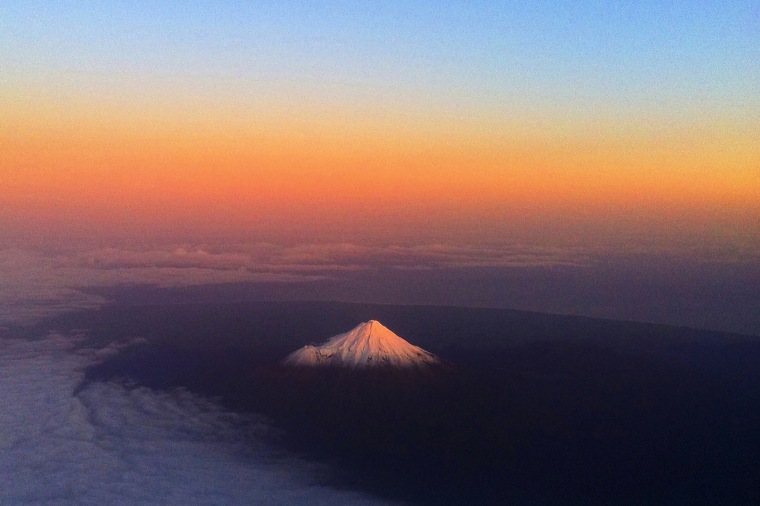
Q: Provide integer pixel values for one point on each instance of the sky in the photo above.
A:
(381, 122)
(593, 158)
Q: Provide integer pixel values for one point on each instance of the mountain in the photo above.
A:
(540, 409)
(368, 345)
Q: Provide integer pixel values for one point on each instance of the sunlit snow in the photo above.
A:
(370, 344)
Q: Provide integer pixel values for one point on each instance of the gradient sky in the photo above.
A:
(469, 122)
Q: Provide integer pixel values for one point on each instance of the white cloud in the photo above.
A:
(115, 445)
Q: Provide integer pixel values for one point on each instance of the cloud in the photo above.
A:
(35, 284)
(38, 283)
(110, 444)
(320, 256)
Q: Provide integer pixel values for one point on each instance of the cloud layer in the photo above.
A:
(700, 285)
(110, 444)
(37, 283)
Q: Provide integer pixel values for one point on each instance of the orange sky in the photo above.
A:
(405, 122)
(380, 173)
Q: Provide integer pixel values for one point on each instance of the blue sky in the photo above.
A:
(650, 54)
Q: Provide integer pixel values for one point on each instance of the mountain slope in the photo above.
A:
(370, 344)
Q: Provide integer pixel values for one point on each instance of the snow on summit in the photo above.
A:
(369, 344)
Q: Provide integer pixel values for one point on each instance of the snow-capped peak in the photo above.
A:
(370, 344)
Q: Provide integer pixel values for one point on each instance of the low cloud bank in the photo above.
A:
(37, 283)
(704, 287)
(110, 444)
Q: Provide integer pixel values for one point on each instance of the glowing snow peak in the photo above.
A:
(369, 344)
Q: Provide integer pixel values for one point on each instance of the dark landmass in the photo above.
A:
(541, 409)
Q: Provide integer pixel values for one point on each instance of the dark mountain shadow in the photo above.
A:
(541, 409)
